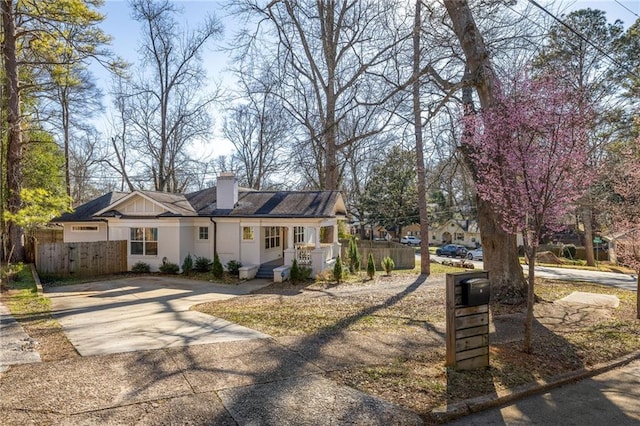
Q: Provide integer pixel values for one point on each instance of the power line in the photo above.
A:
(631, 11)
(585, 39)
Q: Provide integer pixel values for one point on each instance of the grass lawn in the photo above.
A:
(418, 379)
(33, 311)
(394, 313)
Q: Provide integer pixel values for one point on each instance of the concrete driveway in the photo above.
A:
(142, 313)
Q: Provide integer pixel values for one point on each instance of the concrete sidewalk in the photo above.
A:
(257, 382)
(608, 398)
(16, 347)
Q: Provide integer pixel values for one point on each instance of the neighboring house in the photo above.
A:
(464, 232)
(252, 227)
(613, 241)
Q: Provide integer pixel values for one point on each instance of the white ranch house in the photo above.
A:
(268, 228)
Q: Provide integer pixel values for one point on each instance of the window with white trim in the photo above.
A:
(84, 228)
(203, 233)
(247, 233)
(298, 234)
(271, 237)
(144, 241)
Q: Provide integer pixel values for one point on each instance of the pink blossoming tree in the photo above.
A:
(625, 213)
(530, 152)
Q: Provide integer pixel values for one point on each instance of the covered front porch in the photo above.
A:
(314, 247)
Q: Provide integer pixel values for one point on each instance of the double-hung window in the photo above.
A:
(298, 234)
(144, 241)
(272, 237)
(203, 233)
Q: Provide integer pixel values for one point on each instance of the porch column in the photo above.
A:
(336, 242)
(316, 231)
(290, 251)
(318, 261)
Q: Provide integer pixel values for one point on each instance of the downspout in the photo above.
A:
(215, 236)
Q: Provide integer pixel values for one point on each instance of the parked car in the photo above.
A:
(452, 250)
(410, 240)
(475, 254)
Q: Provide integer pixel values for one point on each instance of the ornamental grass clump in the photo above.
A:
(388, 265)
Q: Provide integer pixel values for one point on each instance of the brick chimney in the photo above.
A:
(226, 191)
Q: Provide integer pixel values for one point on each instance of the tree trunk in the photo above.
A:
(64, 104)
(14, 133)
(500, 248)
(638, 295)
(500, 257)
(425, 264)
(588, 235)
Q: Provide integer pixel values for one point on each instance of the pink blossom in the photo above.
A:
(530, 154)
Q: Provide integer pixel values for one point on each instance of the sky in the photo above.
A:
(125, 33)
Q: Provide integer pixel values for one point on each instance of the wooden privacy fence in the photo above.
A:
(81, 259)
(403, 257)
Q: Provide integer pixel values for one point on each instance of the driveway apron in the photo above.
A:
(145, 313)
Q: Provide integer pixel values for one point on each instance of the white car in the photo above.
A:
(410, 240)
(475, 254)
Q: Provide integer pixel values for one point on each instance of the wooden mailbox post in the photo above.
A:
(468, 320)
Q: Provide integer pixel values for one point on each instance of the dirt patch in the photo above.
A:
(322, 321)
(548, 258)
(51, 342)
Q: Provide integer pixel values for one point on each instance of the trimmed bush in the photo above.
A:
(337, 270)
(187, 264)
(371, 266)
(202, 264)
(233, 267)
(354, 256)
(299, 274)
(388, 265)
(141, 268)
(169, 268)
(217, 269)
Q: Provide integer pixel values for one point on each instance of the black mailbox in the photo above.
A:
(475, 291)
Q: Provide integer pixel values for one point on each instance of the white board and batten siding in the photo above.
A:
(141, 206)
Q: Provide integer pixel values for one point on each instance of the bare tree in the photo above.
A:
(258, 126)
(586, 66)
(334, 64)
(73, 99)
(120, 143)
(169, 109)
(85, 158)
(425, 267)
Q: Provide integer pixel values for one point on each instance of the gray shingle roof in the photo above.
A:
(280, 204)
(203, 203)
(85, 211)
(176, 202)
